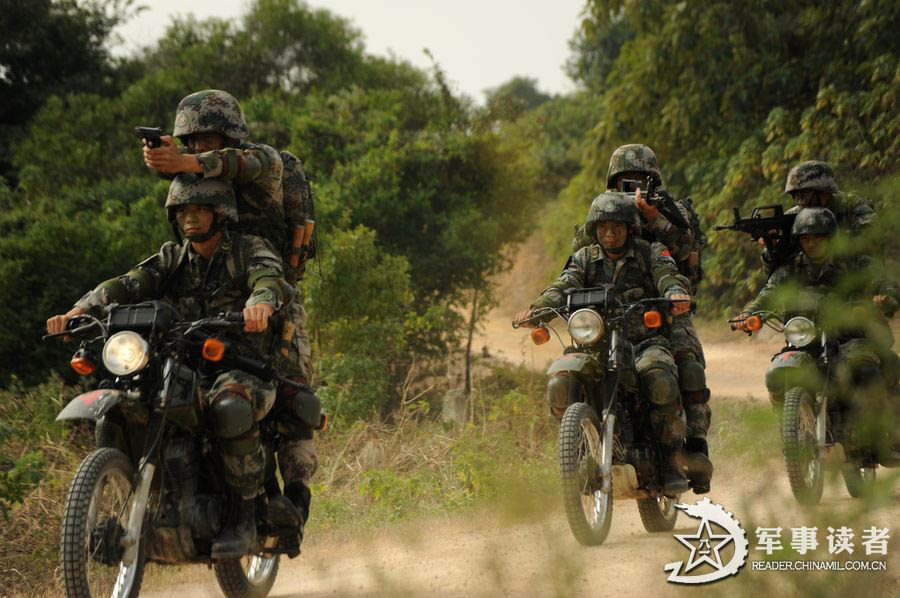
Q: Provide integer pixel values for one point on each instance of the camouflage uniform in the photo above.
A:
(259, 175)
(244, 271)
(854, 214)
(646, 270)
(824, 289)
(684, 247)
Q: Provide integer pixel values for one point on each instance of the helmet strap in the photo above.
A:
(203, 237)
(621, 249)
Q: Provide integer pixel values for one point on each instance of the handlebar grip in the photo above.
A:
(233, 316)
(251, 366)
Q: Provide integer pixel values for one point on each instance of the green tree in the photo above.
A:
(53, 47)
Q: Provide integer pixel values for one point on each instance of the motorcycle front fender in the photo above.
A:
(97, 403)
(790, 369)
(582, 363)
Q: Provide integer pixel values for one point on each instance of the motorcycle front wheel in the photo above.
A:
(247, 577)
(801, 455)
(588, 508)
(94, 521)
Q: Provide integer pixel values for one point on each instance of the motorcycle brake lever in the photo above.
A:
(78, 330)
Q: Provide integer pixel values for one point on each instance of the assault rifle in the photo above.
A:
(770, 224)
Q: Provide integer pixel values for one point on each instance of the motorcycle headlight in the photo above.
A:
(586, 326)
(125, 353)
(800, 331)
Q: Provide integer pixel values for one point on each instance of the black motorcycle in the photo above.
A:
(606, 448)
(813, 418)
(153, 489)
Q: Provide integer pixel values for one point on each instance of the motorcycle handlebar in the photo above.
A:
(542, 313)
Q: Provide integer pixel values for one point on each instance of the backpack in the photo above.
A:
(299, 216)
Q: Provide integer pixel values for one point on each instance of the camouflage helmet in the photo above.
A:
(210, 111)
(189, 188)
(812, 175)
(814, 221)
(612, 205)
(633, 157)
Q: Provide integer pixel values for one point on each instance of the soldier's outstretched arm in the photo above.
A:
(761, 301)
(242, 165)
(141, 283)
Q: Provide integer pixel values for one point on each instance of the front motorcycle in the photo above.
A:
(153, 490)
(813, 418)
(606, 450)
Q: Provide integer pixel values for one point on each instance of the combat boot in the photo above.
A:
(300, 496)
(281, 513)
(674, 482)
(239, 536)
(696, 461)
(290, 511)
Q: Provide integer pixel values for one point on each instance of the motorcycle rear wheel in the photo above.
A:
(588, 509)
(95, 515)
(857, 478)
(801, 458)
(247, 577)
(658, 514)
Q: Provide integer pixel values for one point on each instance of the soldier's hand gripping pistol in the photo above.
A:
(151, 135)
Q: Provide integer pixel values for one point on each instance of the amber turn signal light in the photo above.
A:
(213, 349)
(653, 319)
(540, 335)
(753, 323)
(82, 365)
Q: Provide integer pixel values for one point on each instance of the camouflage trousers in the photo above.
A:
(300, 349)
(658, 380)
(865, 372)
(691, 364)
(297, 453)
(235, 403)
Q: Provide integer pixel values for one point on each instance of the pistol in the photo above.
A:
(152, 135)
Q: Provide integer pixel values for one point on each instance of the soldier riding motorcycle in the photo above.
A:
(619, 368)
(155, 488)
(153, 366)
(835, 381)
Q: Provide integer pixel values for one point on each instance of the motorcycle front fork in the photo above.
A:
(821, 427)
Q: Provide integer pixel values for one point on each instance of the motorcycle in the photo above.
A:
(153, 491)
(813, 418)
(606, 449)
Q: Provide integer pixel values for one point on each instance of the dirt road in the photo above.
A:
(491, 553)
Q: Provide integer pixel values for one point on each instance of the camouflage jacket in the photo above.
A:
(255, 170)
(645, 271)
(679, 242)
(803, 287)
(244, 270)
(853, 215)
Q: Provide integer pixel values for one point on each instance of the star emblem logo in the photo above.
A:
(705, 547)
